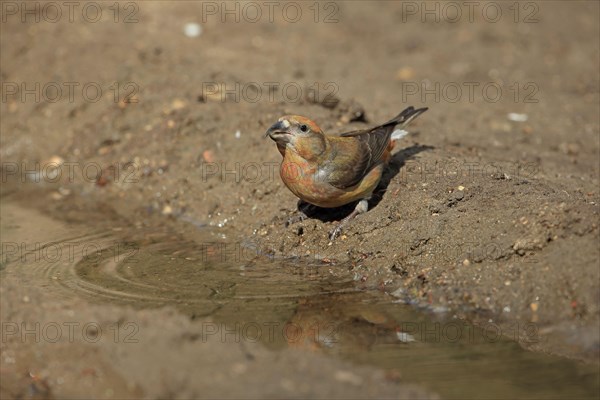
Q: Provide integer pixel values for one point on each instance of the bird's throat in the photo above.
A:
(310, 148)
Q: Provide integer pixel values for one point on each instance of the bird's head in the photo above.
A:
(299, 134)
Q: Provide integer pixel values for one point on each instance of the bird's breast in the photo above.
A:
(298, 174)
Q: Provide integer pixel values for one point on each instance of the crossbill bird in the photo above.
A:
(331, 171)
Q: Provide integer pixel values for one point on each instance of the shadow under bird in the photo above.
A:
(331, 171)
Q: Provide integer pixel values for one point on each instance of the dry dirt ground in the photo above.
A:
(489, 210)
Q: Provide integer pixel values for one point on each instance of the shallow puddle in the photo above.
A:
(235, 291)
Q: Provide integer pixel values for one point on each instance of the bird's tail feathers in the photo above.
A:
(407, 116)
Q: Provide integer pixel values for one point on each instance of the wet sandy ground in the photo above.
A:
(486, 216)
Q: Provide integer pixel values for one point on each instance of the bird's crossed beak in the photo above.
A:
(278, 130)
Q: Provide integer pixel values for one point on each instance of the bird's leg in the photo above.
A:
(361, 207)
(303, 208)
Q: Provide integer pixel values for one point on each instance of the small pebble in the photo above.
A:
(56, 160)
(239, 368)
(192, 29)
(516, 117)
(348, 377)
(405, 74)
(571, 149)
(208, 156)
(405, 337)
(458, 195)
(177, 104)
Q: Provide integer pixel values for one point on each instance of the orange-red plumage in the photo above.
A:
(330, 171)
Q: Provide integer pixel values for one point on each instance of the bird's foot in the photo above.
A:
(360, 208)
(298, 217)
(335, 232)
(304, 209)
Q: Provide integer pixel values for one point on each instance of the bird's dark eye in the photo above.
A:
(303, 128)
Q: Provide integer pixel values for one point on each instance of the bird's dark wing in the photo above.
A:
(357, 152)
(349, 159)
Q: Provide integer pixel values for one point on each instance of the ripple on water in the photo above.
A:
(171, 272)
